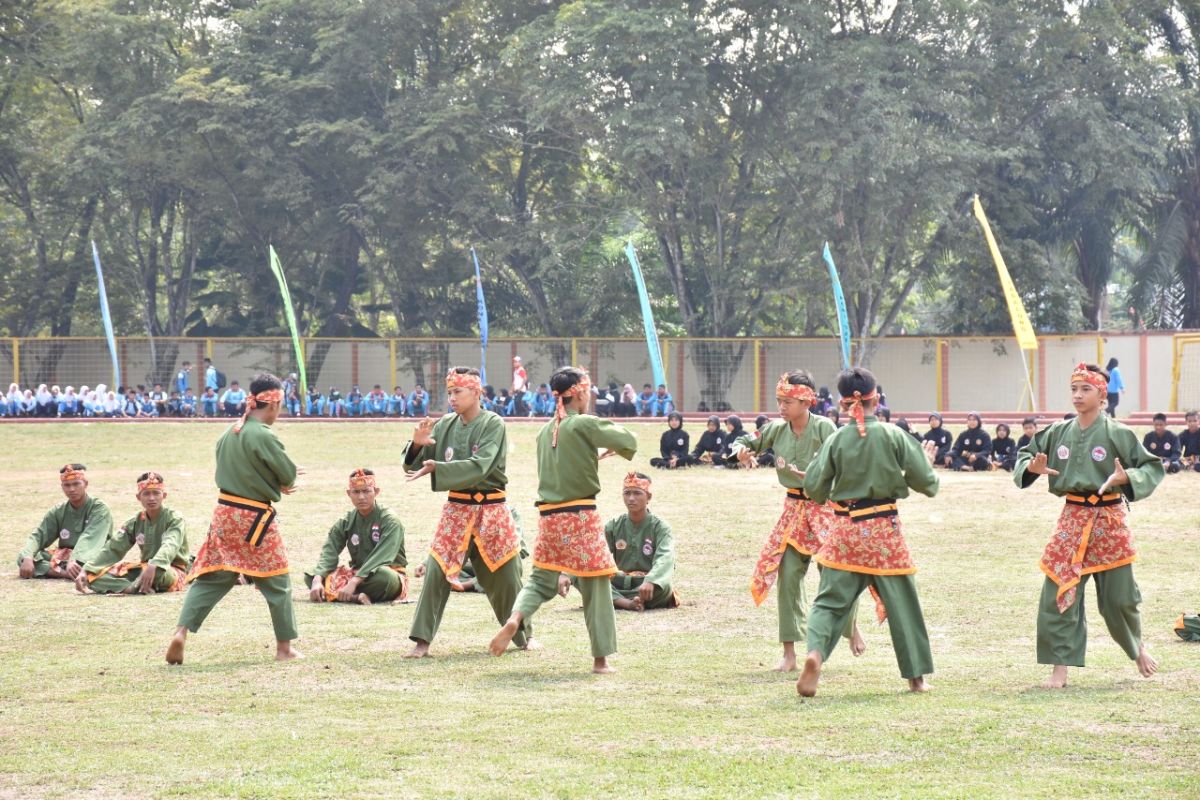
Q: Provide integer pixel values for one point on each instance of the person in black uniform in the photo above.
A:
(941, 438)
(1028, 429)
(1189, 442)
(673, 446)
(1004, 449)
(1164, 444)
(903, 425)
(711, 446)
(733, 429)
(767, 457)
(973, 448)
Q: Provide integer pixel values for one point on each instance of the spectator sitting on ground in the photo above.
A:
(626, 405)
(397, 403)
(233, 400)
(645, 401)
(418, 402)
(663, 403)
(733, 429)
(376, 401)
(710, 449)
(543, 402)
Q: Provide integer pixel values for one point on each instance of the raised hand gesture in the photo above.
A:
(1038, 466)
(1118, 478)
(424, 433)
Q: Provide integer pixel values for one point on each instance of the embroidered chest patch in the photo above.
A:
(64, 534)
(621, 544)
(474, 449)
(1064, 452)
(449, 454)
(780, 462)
(375, 532)
(354, 540)
(679, 442)
(647, 547)
(140, 539)
(1099, 454)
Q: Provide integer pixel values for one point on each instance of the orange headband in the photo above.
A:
(796, 391)
(632, 481)
(153, 481)
(256, 400)
(463, 380)
(1082, 373)
(361, 479)
(69, 474)
(584, 387)
(853, 406)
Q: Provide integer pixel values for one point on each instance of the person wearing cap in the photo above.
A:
(972, 450)
(159, 533)
(69, 534)
(244, 543)
(863, 469)
(710, 448)
(374, 538)
(643, 549)
(570, 540)
(465, 454)
(673, 445)
(1096, 465)
(795, 439)
(941, 438)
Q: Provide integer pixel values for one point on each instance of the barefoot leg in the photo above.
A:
(806, 686)
(420, 650)
(623, 604)
(919, 684)
(502, 639)
(175, 648)
(858, 645)
(285, 652)
(1146, 664)
(788, 663)
(363, 600)
(600, 666)
(532, 644)
(1058, 678)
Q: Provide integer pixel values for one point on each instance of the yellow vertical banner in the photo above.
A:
(1026, 338)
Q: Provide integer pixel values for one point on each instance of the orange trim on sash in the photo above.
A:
(227, 568)
(864, 570)
(584, 503)
(595, 573)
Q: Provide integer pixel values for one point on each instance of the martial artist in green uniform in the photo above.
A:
(864, 469)
(465, 454)
(644, 550)
(160, 535)
(1097, 465)
(374, 538)
(243, 540)
(570, 534)
(77, 529)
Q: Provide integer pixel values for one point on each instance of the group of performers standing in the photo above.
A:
(842, 487)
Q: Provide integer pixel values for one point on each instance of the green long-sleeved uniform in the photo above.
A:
(884, 464)
(799, 451)
(646, 547)
(375, 543)
(571, 471)
(162, 543)
(85, 529)
(469, 456)
(1084, 459)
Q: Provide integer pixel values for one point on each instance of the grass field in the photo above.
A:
(89, 709)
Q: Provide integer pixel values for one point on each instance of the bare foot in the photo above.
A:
(285, 652)
(600, 666)
(806, 686)
(1058, 678)
(363, 600)
(502, 639)
(625, 605)
(788, 662)
(1146, 663)
(58, 573)
(420, 650)
(919, 685)
(858, 645)
(175, 648)
(533, 644)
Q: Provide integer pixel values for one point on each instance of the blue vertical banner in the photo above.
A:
(481, 309)
(839, 300)
(107, 318)
(656, 365)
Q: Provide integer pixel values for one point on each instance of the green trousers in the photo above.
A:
(789, 586)
(836, 596)
(626, 587)
(1062, 638)
(111, 584)
(208, 589)
(41, 563)
(598, 611)
(381, 586)
(501, 587)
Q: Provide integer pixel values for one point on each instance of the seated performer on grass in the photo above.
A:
(1164, 444)
(69, 534)
(972, 449)
(644, 550)
(374, 538)
(160, 535)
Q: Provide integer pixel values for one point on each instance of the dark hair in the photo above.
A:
(834, 413)
(364, 471)
(463, 371)
(643, 477)
(1160, 417)
(565, 378)
(714, 420)
(263, 382)
(208, 361)
(1096, 369)
(75, 467)
(147, 475)
(1007, 430)
(644, 386)
(1191, 415)
(1029, 421)
(760, 420)
(885, 412)
(675, 415)
(800, 377)
(1112, 362)
(903, 425)
(734, 420)
(823, 392)
(855, 379)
